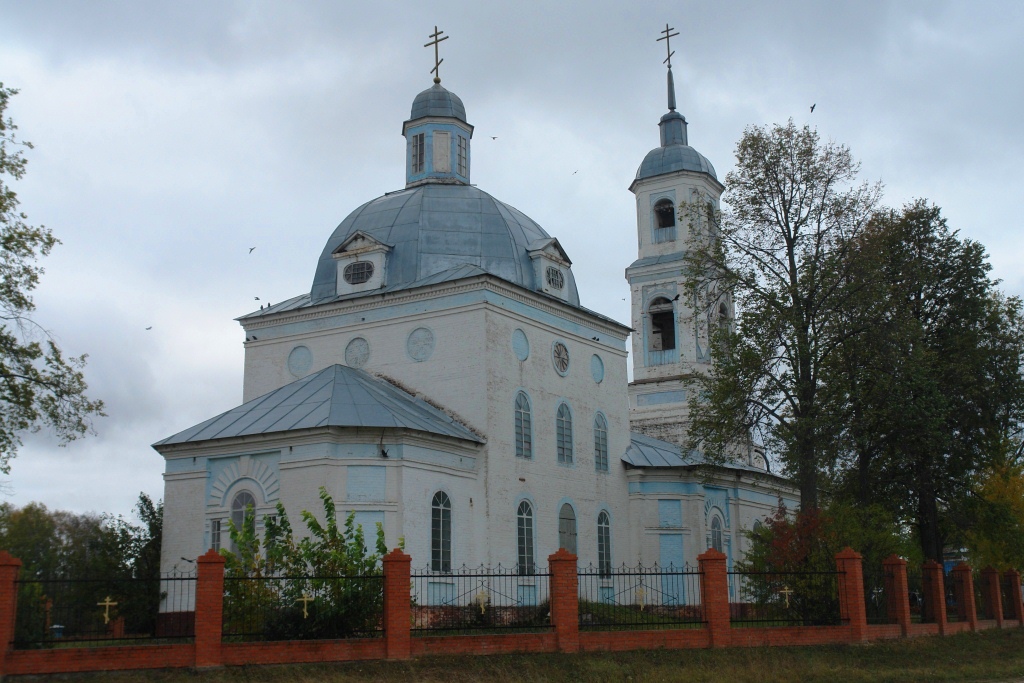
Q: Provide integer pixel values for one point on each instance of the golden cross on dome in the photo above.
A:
(667, 38)
(106, 605)
(437, 61)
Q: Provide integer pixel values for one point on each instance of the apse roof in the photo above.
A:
(337, 396)
(645, 451)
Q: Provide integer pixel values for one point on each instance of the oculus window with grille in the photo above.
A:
(663, 326)
(560, 357)
(555, 278)
(359, 272)
(567, 528)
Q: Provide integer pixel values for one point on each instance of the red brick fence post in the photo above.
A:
(9, 568)
(897, 592)
(714, 596)
(565, 600)
(993, 597)
(209, 609)
(965, 604)
(934, 588)
(851, 593)
(397, 605)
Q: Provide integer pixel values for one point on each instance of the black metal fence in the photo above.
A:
(879, 594)
(981, 593)
(784, 598)
(72, 612)
(639, 597)
(1006, 594)
(956, 606)
(303, 607)
(470, 600)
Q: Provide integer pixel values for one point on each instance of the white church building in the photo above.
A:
(441, 378)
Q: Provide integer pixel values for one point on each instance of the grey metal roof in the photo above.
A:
(437, 227)
(674, 158)
(655, 260)
(437, 101)
(645, 451)
(337, 396)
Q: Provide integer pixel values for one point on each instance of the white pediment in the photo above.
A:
(550, 248)
(359, 242)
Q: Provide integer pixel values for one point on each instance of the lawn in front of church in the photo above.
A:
(987, 656)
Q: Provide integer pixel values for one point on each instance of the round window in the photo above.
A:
(359, 272)
(560, 357)
(555, 278)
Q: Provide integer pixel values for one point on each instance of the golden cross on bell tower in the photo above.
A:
(437, 62)
(667, 38)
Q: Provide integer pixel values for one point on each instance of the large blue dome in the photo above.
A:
(674, 158)
(434, 228)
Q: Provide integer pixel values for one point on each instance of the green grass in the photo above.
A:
(988, 656)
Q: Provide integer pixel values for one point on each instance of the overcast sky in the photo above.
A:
(170, 138)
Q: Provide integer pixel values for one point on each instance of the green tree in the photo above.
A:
(792, 213)
(38, 385)
(924, 402)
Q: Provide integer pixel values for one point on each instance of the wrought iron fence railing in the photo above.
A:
(76, 612)
(956, 606)
(784, 598)
(879, 593)
(481, 599)
(981, 593)
(303, 607)
(639, 597)
(1006, 595)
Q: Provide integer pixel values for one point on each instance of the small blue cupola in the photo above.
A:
(437, 139)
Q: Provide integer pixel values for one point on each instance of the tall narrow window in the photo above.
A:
(524, 427)
(463, 166)
(563, 434)
(524, 538)
(664, 221)
(215, 535)
(418, 152)
(243, 508)
(663, 325)
(723, 325)
(712, 220)
(716, 533)
(441, 533)
(604, 544)
(600, 443)
(567, 528)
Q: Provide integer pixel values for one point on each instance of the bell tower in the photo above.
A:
(677, 201)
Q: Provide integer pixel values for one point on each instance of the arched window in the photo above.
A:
(524, 427)
(757, 525)
(567, 528)
(664, 221)
(723, 324)
(663, 325)
(600, 443)
(563, 434)
(604, 544)
(712, 220)
(524, 538)
(716, 533)
(441, 533)
(243, 506)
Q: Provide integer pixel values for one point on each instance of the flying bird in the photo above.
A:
(257, 298)
(494, 137)
(813, 106)
(575, 172)
(150, 327)
(250, 249)
(675, 298)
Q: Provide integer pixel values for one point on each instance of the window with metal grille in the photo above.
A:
(441, 533)
(524, 427)
(567, 528)
(716, 533)
(555, 278)
(463, 166)
(563, 434)
(600, 443)
(524, 538)
(418, 153)
(359, 272)
(604, 544)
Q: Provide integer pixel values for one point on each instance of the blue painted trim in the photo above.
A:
(661, 397)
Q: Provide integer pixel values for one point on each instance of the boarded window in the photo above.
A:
(365, 482)
(600, 443)
(563, 434)
(441, 533)
(524, 538)
(663, 325)
(524, 427)
(567, 528)
(442, 152)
